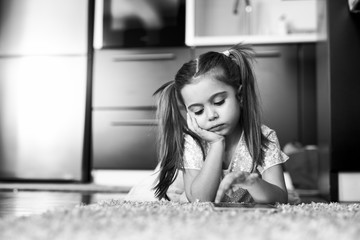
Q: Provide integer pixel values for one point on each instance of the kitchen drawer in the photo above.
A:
(276, 70)
(128, 78)
(124, 139)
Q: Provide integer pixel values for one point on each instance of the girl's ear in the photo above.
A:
(239, 93)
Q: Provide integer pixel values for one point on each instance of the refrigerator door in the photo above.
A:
(42, 106)
(38, 27)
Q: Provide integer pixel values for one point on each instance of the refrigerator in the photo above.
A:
(338, 87)
(44, 90)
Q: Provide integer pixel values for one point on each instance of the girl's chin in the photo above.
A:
(221, 132)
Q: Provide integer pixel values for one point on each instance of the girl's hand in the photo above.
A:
(235, 180)
(208, 136)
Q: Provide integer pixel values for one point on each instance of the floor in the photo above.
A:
(21, 199)
(22, 203)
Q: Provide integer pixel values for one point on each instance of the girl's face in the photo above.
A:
(213, 104)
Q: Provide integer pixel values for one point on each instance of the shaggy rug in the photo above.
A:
(120, 219)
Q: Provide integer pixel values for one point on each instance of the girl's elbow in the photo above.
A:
(191, 198)
(199, 198)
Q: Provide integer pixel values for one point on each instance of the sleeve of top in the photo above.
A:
(273, 154)
(193, 157)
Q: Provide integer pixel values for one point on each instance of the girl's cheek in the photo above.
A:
(200, 122)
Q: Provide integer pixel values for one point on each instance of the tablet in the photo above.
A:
(243, 206)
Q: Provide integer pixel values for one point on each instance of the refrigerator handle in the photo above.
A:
(137, 122)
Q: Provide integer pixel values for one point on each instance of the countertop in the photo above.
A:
(251, 39)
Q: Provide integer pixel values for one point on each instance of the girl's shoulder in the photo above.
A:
(269, 133)
(266, 130)
(273, 152)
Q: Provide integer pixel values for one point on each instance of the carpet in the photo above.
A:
(120, 219)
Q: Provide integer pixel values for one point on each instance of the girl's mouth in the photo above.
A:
(216, 128)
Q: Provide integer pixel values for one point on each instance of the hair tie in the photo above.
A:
(226, 53)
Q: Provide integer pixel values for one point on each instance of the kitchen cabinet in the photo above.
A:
(307, 83)
(124, 125)
(124, 139)
(212, 22)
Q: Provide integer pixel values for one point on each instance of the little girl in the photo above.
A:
(210, 131)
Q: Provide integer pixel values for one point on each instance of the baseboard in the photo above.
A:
(125, 178)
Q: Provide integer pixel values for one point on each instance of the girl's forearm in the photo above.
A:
(265, 192)
(206, 183)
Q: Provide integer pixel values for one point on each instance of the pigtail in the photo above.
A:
(251, 119)
(170, 138)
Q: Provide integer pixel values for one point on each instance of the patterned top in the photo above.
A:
(241, 161)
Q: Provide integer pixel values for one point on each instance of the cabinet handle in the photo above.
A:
(145, 122)
(267, 54)
(134, 108)
(144, 57)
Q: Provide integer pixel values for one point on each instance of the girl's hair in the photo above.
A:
(233, 67)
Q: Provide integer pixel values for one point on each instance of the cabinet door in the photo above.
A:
(277, 76)
(124, 124)
(128, 78)
(276, 71)
(124, 140)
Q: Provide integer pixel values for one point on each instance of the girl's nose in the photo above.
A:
(212, 115)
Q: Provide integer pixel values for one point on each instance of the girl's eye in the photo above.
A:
(199, 112)
(218, 103)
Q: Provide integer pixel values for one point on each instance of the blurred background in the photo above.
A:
(77, 78)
